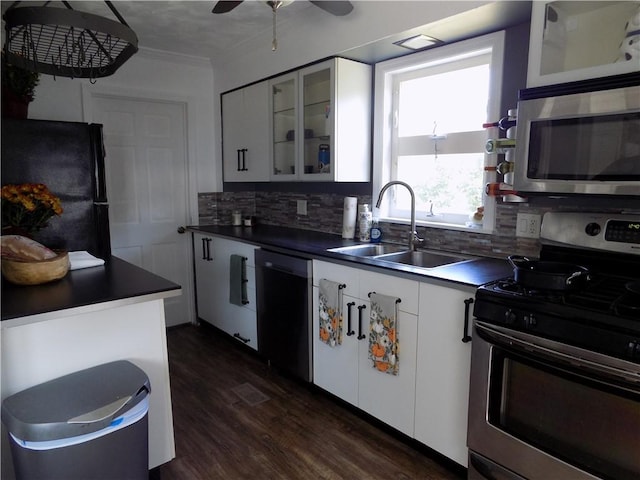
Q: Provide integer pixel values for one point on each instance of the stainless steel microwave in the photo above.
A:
(579, 140)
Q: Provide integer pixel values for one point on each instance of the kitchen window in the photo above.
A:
(429, 111)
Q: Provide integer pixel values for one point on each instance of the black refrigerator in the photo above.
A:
(68, 157)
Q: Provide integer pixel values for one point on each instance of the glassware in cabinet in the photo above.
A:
(317, 121)
(284, 118)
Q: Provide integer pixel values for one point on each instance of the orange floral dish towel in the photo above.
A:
(330, 312)
(383, 333)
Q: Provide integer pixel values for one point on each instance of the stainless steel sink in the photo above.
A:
(369, 250)
(420, 258)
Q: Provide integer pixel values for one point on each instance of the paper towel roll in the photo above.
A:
(349, 217)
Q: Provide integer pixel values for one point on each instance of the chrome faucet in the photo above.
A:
(414, 239)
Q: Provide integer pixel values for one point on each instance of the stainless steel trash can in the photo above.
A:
(90, 424)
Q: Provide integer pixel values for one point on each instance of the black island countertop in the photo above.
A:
(311, 244)
(115, 281)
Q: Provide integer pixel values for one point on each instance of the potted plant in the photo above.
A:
(18, 89)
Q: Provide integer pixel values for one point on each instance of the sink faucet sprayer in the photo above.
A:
(414, 239)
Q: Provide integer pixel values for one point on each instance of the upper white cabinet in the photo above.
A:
(577, 40)
(321, 123)
(245, 134)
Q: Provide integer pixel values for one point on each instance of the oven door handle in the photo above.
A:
(597, 366)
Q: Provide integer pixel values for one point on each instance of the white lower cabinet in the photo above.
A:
(345, 370)
(428, 399)
(212, 264)
(442, 379)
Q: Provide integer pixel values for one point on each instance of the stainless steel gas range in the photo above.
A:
(555, 369)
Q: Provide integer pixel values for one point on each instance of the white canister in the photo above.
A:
(365, 220)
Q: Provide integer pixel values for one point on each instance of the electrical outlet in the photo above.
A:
(528, 225)
(302, 207)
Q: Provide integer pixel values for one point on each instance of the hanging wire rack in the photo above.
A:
(67, 43)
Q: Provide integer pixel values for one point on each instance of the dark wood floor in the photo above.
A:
(299, 433)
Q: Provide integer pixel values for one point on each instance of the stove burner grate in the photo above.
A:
(606, 294)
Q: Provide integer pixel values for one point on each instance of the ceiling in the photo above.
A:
(190, 28)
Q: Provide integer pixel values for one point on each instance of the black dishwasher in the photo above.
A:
(284, 288)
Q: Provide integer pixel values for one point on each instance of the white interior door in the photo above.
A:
(146, 171)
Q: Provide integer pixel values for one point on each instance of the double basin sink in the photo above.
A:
(399, 254)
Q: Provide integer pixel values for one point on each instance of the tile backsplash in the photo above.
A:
(324, 213)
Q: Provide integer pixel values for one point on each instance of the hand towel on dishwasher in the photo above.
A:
(383, 333)
(238, 280)
(330, 312)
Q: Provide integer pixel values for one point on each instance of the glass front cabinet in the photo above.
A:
(320, 123)
(577, 40)
(284, 119)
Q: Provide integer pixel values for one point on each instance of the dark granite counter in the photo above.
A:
(116, 281)
(307, 243)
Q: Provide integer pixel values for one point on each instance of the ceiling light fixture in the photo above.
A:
(418, 42)
(66, 42)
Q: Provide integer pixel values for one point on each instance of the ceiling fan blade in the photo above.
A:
(224, 6)
(335, 7)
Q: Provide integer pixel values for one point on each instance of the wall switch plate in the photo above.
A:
(528, 225)
(302, 207)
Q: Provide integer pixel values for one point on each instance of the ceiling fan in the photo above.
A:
(334, 7)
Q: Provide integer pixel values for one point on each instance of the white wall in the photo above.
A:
(148, 74)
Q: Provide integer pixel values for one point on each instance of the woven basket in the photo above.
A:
(35, 272)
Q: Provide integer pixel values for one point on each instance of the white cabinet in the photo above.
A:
(212, 264)
(576, 40)
(345, 370)
(205, 275)
(245, 134)
(335, 369)
(442, 380)
(321, 123)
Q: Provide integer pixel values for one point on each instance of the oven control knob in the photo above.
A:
(592, 229)
(510, 317)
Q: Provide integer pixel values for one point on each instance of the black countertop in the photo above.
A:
(311, 244)
(116, 280)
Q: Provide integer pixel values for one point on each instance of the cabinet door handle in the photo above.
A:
(244, 160)
(209, 250)
(360, 334)
(204, 248)
(466, 338)
(240, 337)
(239, 153)
(349, 331)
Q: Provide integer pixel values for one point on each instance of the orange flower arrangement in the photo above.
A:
(28, 207)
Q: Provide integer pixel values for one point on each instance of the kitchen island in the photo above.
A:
(89, 317)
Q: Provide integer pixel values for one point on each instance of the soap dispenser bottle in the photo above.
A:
(376, 232)
(364, 222)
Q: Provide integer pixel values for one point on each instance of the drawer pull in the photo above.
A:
(240, 337)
